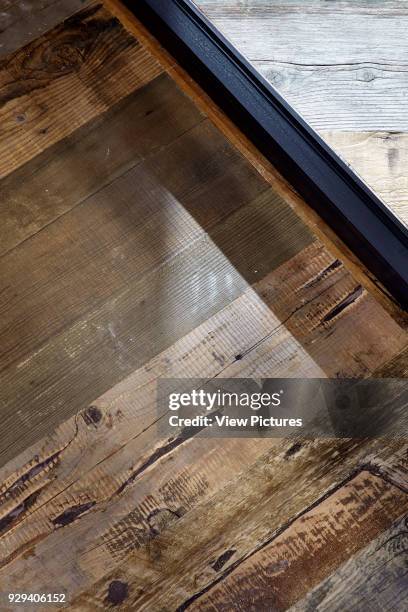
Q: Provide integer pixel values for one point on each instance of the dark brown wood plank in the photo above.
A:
(88, 59)
(22, 22)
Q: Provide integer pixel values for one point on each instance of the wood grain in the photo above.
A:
(350, 55)
(375, 579)
(178, 565)
(88, 58)
(22, 22)
(311, 548)
(381, 159)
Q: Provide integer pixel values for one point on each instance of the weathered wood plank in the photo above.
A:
(89, 59)
(123, 232)
(375, 579)
(178, 564)
(381, 159)
(22, 22)
(336, 319)
(397, 367)
(166, 284)
(308, 550)
(82, 164)
(343, 65)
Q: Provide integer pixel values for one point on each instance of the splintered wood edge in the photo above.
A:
(206, 105)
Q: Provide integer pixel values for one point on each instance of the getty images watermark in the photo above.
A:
(283, 407)
(212, 402)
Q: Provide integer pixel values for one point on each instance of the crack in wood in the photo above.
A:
(15, 487)
(72, 514)
(346, 303)
(186, 434)
(14, 516)
(293, 450)
(322, 275)
(50, 461)
(377, 471)
(223, 559)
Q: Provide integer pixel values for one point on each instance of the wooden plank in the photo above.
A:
(22, 22)
(42, 190)
(397, 367)
(166, 284)
(395, 468)
(177, 566)
(89, 58)
(352, 55)
(381, 159)
(309, 550)
(123, 232)
(375, 579)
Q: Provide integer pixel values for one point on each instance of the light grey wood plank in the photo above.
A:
(343, 65)
(22, 22)
(381, 159)
(374, 580)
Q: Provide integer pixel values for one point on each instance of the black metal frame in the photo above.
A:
(326, 183)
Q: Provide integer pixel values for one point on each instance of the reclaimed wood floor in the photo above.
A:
(137, 243)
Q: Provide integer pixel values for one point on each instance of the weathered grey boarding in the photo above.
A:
(344, 66)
